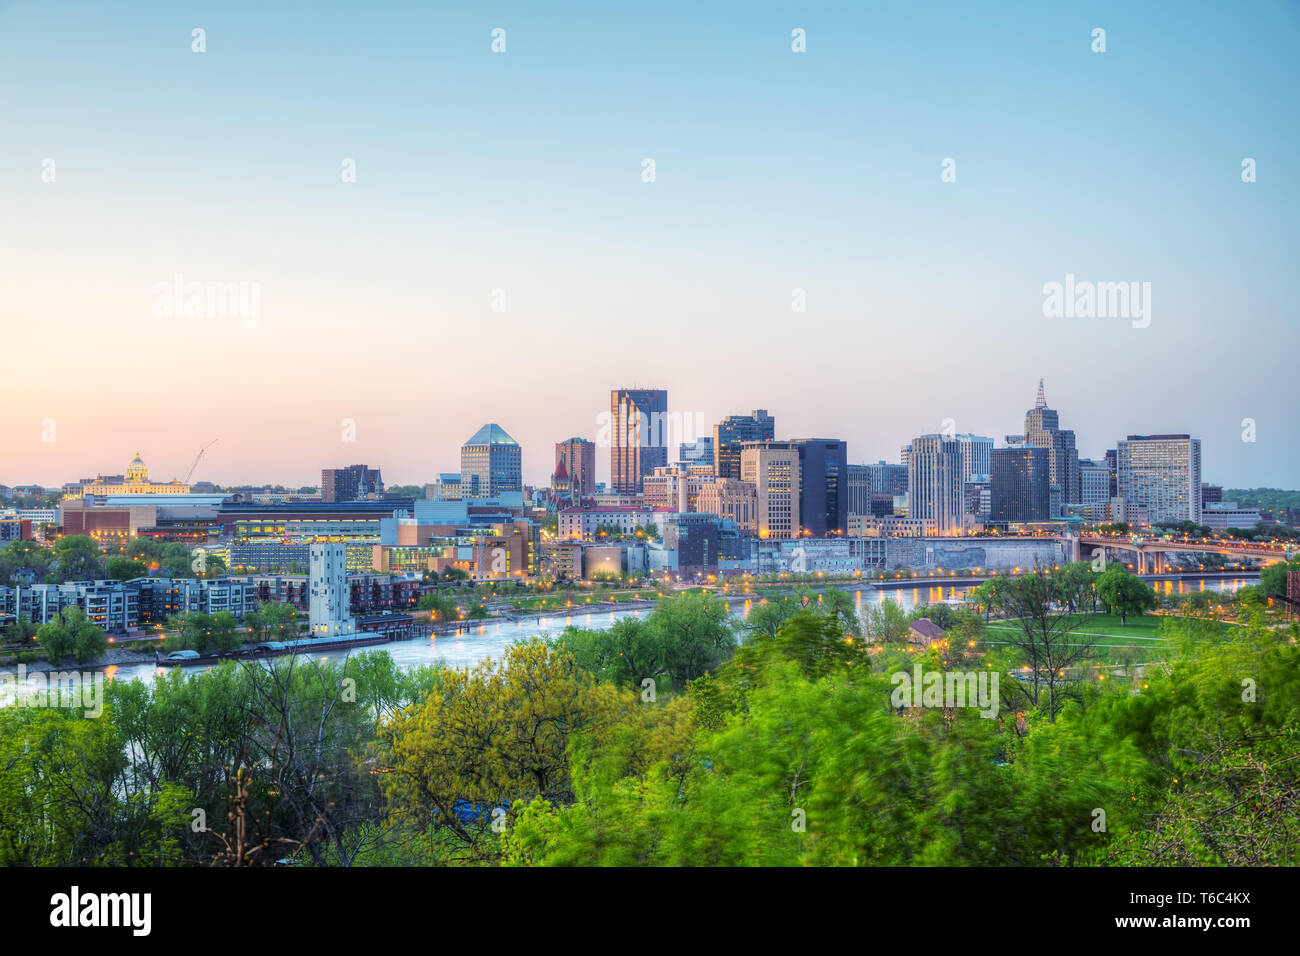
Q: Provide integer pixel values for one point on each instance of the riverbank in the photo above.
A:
(461, 643)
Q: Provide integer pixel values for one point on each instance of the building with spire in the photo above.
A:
(1043, 430)
(562, 486)
(578, 455)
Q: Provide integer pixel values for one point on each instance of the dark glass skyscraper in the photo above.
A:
(732, 432)
(639, 440)
(1020, 484)
(823, 485)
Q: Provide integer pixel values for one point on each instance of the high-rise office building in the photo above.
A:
(1163, 474)
(579, 457)
(1112, 463)
(353, 483)
(1019, 485)
(1043, 428)
(490, 464)
(730, 434)
(639, 440)
(935, 483)
(863, 483)
(823, 485)
(974, 454)
(773, 469)
(1094, 482)
(698, 452)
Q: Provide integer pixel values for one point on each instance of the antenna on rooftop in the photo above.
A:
(1040, 400)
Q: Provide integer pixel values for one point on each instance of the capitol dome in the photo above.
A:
(137, 471)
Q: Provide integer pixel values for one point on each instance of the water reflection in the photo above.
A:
(470, 644)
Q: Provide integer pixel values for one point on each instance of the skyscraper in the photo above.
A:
(773, 469)
(353, 483)
(974, 454)
(697, 452)
(1094, 482)
(935, 484)
(579, 457)
(730, 434)
(823, 485)
(1043, 428)
(490, 464)
(1163, 474)
(639, 440)
(1112, 462)
(1019, 485)
(864, 482)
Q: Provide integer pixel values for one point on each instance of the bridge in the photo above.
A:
(1150, 550)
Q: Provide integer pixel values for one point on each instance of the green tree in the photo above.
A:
(20, 630)
(125, 569)
(441, 607)
(78, 558)
(491, 737)
(1272, 579)
(1124, 593)
(1044, 635)
(72, 633)
(24, 558)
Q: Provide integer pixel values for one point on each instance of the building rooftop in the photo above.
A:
(491, 434)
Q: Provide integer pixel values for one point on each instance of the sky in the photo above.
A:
(500, 256)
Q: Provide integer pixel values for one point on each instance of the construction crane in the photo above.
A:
(189, 474)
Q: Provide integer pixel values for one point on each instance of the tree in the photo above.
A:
(887, 622)
(1272, 579)
(1076, 586)
(441, 607)
(78, 558)
(1043, 634)
(225, 631)
(20, 630)
(125, 569)
(1124, 593)
(767, 616)
(72, 633)
(694, 635)
(488, 738)
(56, 639)
(279, 621)
(25, 558)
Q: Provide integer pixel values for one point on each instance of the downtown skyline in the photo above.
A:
(539, 465)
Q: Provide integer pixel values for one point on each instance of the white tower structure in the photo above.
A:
(328, 607)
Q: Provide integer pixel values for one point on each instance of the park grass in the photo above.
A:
(1137, 641)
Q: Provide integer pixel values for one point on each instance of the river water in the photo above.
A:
(490, 638)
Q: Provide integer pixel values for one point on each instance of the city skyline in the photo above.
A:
(537, 469)
(780, 177)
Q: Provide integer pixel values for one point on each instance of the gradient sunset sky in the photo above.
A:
(522, 171)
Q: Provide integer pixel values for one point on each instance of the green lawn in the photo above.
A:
(1139, 638)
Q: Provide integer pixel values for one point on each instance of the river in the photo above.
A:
(490, 638)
